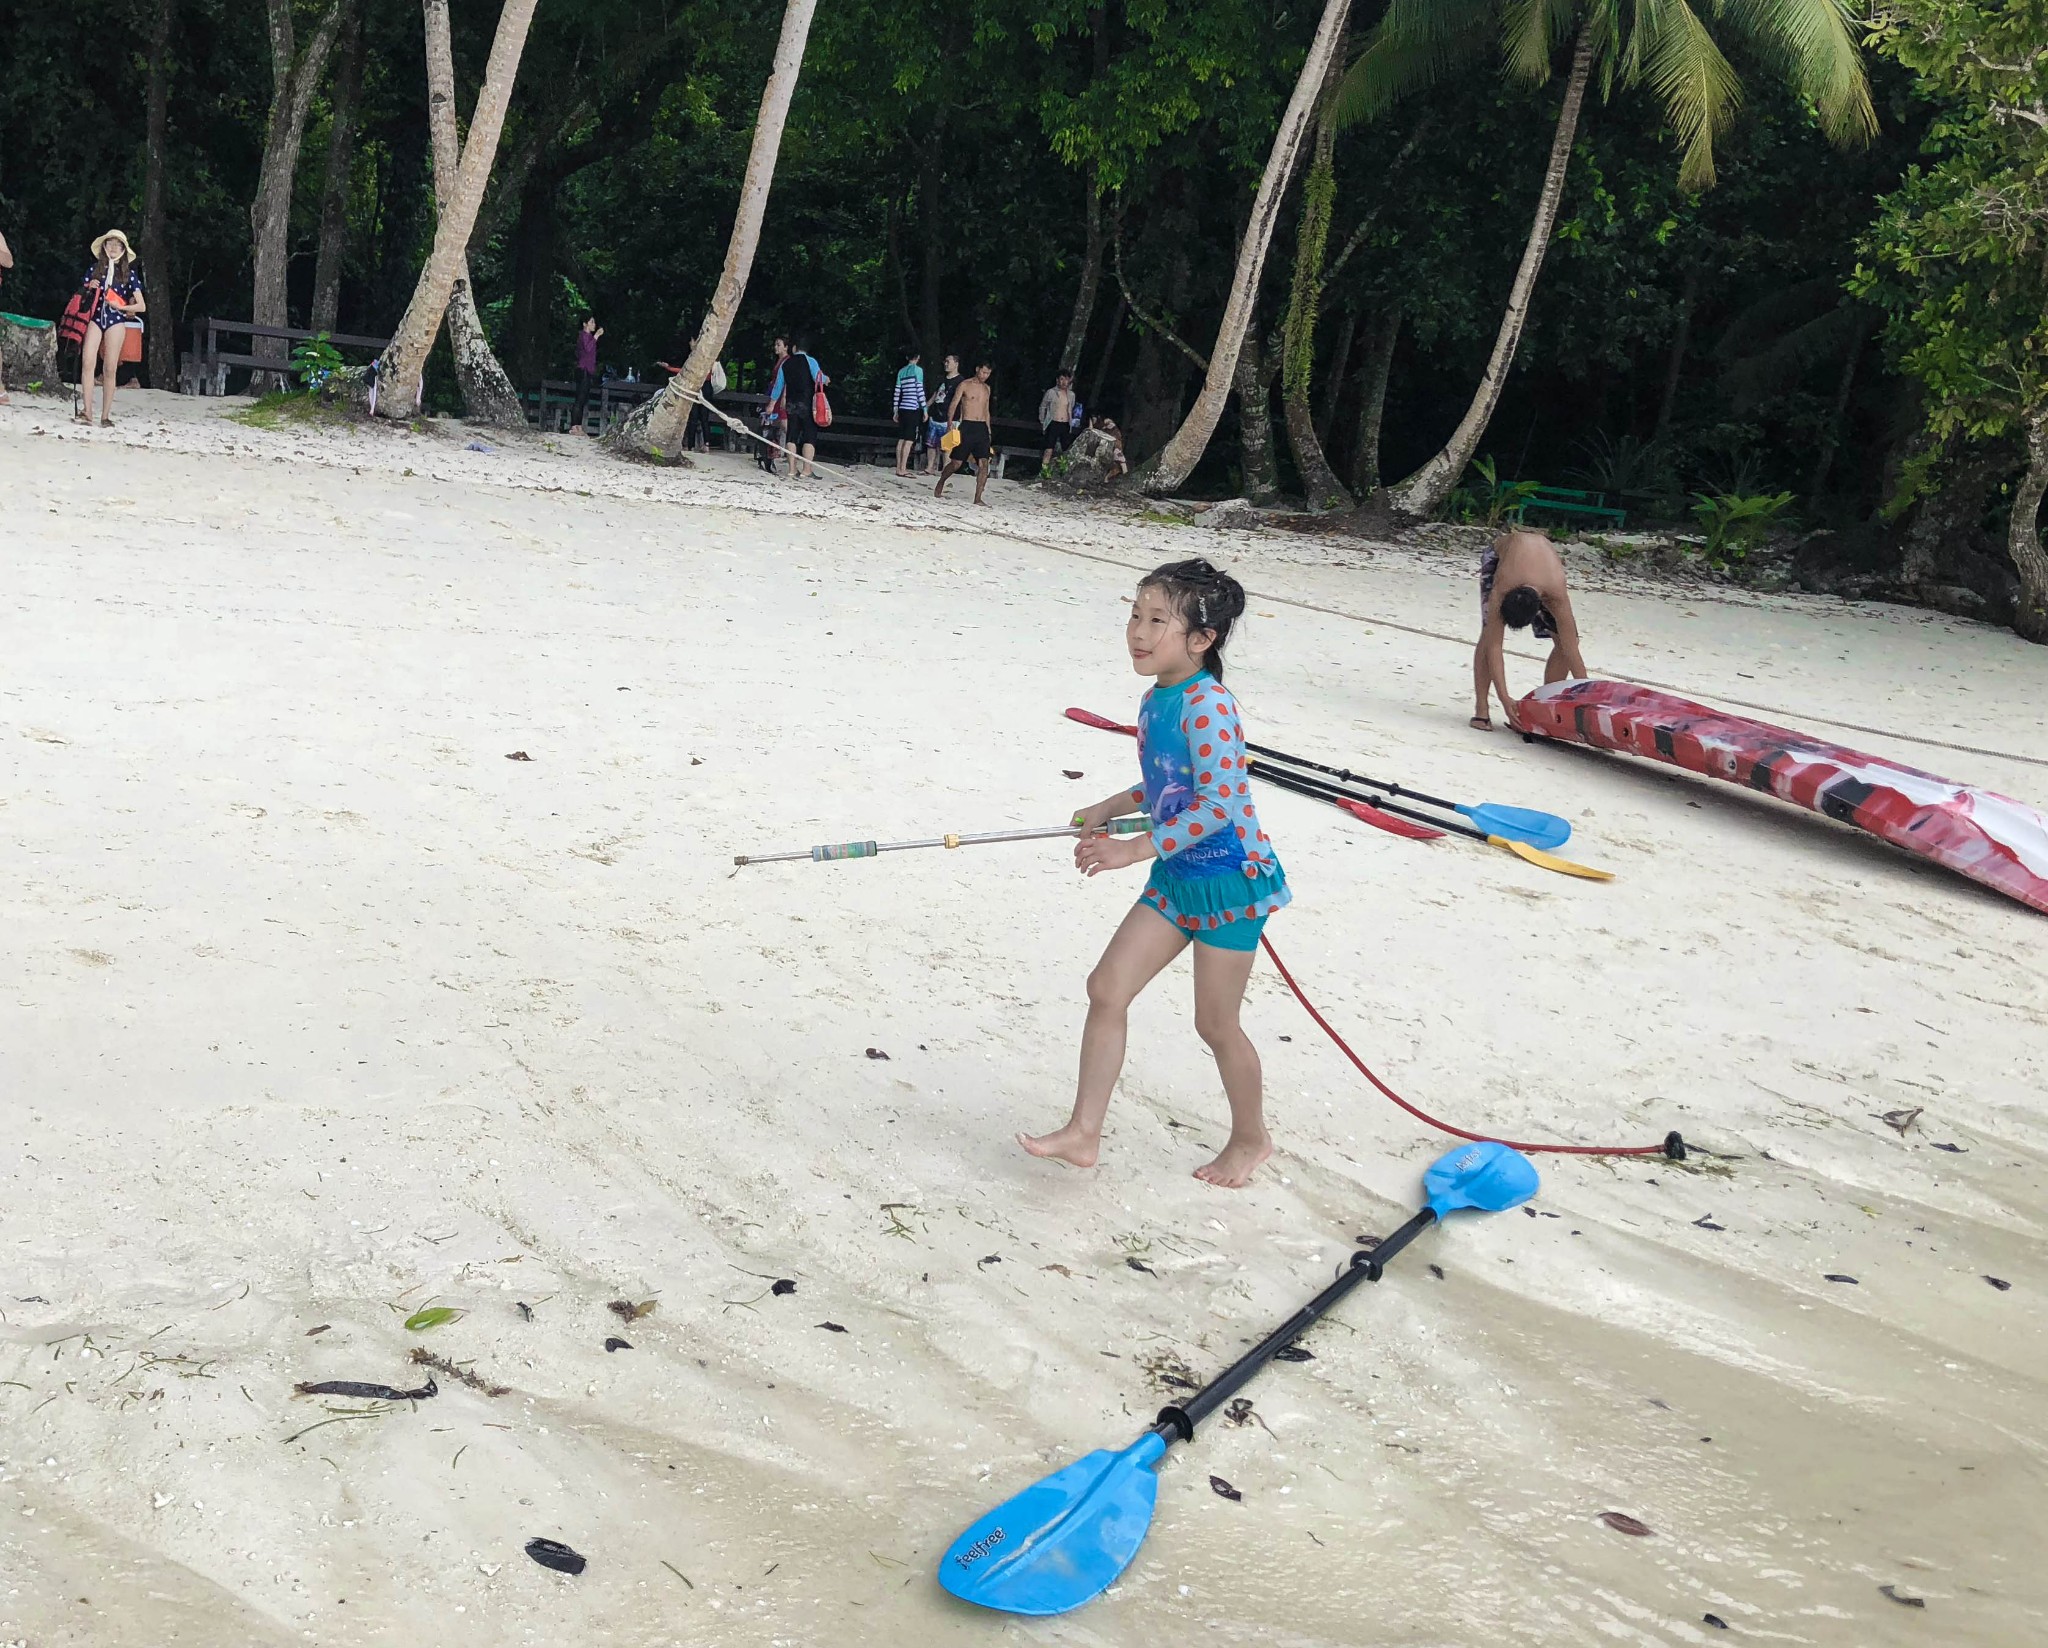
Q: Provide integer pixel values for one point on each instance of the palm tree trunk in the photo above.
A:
(293, 79)
(404, 359)
(931, 183)
(2023, 533)
(1379, 364)
(1091, 280)
(1674, 369)
(487, 393)
(1423, 492)
(161, 336)
(534, 235)
(658, 425)
(1333, 380)
(1831, 433)
(1177, 460)
(1319, 484)
(1255, 422)
(1091, 263)
(341, 154)
(1102, 362)
(893, 251)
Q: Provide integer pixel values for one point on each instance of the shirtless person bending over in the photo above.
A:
(969, 413)
(1521, 586)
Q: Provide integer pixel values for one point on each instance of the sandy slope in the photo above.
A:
(319, 1010)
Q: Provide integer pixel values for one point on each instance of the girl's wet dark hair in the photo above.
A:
(1204, 598)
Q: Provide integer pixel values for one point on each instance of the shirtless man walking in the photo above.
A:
(970, 412)
(1521, 586)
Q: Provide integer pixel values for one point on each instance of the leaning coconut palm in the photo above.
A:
(397, 371)
(487, 393)
(1319, 484)
(657, 427)
(1663, 44)
(1177, 459)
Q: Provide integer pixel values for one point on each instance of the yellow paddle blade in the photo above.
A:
(1550, 861)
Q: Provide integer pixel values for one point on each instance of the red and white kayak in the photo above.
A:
(1986, 836)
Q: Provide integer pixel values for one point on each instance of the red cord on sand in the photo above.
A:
(1673, 1145)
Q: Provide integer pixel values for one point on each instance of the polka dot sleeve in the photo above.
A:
(1215, 744)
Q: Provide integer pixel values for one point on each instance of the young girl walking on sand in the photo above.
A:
(1215, 877)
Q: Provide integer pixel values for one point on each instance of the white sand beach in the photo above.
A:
(319, 1011)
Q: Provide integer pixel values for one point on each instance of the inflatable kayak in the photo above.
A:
(1986, 836)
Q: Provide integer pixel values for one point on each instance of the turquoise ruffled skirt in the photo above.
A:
(1226, 910)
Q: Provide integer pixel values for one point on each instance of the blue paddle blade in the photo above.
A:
(1544, 830)
(1491, 1177)
(1062, 1541)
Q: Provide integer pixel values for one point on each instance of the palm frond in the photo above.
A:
(1414, 45)
(1645, 23)
(1813, 44)
(1780, 310)
(1530, 33)
(1783, 363)
(1697, 86)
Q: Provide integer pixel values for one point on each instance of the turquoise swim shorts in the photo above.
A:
(1241, 934)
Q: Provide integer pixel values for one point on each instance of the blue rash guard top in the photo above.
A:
(1216, 864)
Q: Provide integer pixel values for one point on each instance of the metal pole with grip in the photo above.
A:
(1177, 1421)
(869, 849)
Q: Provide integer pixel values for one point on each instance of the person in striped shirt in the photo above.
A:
(909, 411)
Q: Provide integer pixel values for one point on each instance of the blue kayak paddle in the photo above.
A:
(1544, 830)
(1065, 1540)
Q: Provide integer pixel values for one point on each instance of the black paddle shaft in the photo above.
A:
(1177, 1422)
(1351, 777)
(1302, 784)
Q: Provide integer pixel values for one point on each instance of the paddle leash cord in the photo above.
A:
(1673, 1146)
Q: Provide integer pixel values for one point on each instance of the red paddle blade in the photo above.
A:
(1088, 718)
(1387, 821)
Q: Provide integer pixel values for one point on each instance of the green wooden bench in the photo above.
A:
(1569, 503)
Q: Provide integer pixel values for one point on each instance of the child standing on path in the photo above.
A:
(586, 370)
(1215, 877)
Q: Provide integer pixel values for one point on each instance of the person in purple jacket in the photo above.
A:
(586, 369)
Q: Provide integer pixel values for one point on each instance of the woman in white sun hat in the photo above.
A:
(113, 289)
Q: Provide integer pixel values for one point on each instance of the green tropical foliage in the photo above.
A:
(935, 191)
(1663, 46)
(1487, 499)
(314, 361)
(1958, 258)
(1735, 524)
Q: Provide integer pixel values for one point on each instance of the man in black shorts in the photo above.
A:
(1056, 419)
(972, 413)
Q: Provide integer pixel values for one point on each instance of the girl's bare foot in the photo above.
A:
(1239, 1160)
(1483, 722)
(1069, 1145)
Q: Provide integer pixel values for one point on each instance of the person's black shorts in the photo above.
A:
(799, 432)
(975, 445)
(1058, 436)
(908, 424)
